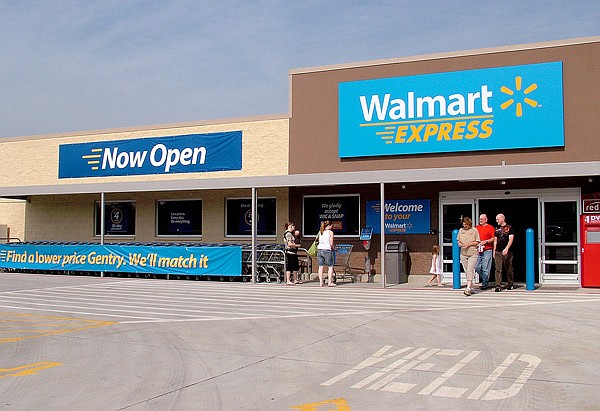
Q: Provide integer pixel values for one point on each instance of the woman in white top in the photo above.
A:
(325, 252)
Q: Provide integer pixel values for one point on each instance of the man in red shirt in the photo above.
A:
(485, 248)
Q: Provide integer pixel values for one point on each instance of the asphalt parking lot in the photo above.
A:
(72, 343)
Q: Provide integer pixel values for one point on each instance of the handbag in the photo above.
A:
(312, 250)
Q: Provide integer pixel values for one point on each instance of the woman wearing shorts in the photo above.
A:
(325, 252)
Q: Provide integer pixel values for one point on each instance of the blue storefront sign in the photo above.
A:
(487, 109)
(191, 153)
(221, 261)
(400, 216)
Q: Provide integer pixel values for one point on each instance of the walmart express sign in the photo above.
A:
(487, 109)
(164, 155)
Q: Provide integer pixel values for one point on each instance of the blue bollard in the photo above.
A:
(529, 260)
(455, 261)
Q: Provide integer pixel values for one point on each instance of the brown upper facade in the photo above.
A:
(316, 109)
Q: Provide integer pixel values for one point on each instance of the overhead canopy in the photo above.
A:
(479, 173)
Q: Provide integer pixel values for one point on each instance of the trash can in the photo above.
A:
(396, 262)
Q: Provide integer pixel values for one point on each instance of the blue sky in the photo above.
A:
(85, 65)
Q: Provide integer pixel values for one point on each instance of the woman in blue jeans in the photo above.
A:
(325, 252)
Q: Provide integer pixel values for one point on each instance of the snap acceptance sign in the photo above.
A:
(487, 109)
(190, 153)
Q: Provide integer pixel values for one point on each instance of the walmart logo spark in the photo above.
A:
(524, 93)
(93, 159)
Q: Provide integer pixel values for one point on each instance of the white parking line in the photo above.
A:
(144, 300)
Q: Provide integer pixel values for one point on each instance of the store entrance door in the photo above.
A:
(553, 214)
(521, 214)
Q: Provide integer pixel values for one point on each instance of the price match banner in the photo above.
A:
(222, 261)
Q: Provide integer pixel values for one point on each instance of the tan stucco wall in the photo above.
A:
(34, 161)
(71, 217)
(12, 214)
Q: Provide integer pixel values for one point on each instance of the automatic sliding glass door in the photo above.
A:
(452, 220)
(560, 256)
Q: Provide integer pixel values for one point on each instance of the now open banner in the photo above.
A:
(190, 153)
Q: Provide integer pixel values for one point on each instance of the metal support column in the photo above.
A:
(254, 223)
(102, 224)
(382, 231)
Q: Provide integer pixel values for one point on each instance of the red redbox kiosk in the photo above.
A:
(590, 250)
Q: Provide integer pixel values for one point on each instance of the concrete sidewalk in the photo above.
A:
(72, 343)
(420, 282)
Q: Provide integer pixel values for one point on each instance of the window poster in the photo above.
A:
(342, 210)
(119, 218)
(179, 217)
(239, 216)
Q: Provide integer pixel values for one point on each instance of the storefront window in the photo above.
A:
(119, 218)
(342, 210)
(561, 269)
(179, 217)
(452, 220)
(560, 253)
(560, 249)
(238, 221)
(560, 223)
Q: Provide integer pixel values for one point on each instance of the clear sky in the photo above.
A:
(86, 65)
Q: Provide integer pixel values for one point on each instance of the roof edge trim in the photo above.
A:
(444, 55)
(157, 127)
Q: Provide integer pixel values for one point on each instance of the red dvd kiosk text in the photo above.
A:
(590, 250)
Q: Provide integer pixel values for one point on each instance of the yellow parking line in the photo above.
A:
(339, 403)
(28, 369)
(44, 325)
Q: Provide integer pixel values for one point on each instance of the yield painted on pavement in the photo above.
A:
(394, 373)
(18, 327)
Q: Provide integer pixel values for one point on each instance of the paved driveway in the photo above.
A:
(72, 343)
